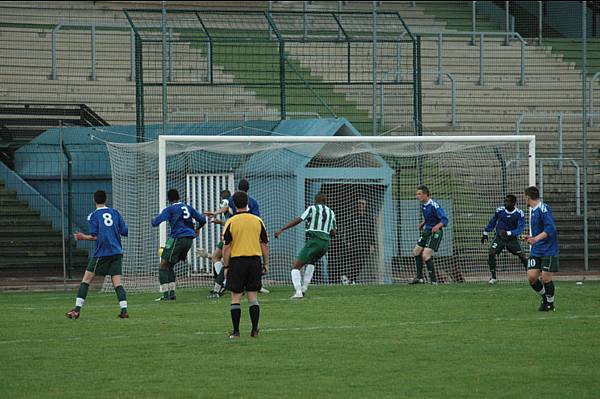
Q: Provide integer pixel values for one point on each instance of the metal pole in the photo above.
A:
(62, 209)
(170, 47)
(439, 59)
(374, 73)
(507, 22)
(132, 55)
(542, 179)
(93, 50)
(577, 187)
(584, 130)
(481, 59)
(540, 25)
(453, 104)
(560, 139)
(522, 76)
(164, 65)
(53, 74)
(269, 8)
(305, 27)
(339, 19)
(473, 21)
(398, 62)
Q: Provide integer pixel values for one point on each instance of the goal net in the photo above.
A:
(370, 184)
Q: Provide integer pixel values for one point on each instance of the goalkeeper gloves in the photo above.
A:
(484, 238)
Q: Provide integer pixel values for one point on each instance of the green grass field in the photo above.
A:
(450, 341)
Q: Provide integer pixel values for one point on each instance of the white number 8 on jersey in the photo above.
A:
(108, 221)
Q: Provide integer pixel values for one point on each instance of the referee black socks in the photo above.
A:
(236, 313)
(254, 311)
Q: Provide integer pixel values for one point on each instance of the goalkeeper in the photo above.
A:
(217, 256)
(509, 222)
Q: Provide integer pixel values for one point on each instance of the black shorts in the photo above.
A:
(244, 274)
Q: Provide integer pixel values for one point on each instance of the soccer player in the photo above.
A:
(543, 257)
(106, 226)
(509, 222)
(431, 227)
(321, 226)
(217, 255)
(245, 242)
(253, 208)
(181, 218)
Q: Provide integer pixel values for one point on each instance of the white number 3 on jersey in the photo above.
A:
(108, 221)
(186, 212)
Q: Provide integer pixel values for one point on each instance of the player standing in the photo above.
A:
(106, 226)
(509, 222)
(434, 220)
(321, 226)
(245, 242)
(543, 257)
(181, 220)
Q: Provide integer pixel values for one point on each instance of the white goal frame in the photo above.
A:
(164, 139)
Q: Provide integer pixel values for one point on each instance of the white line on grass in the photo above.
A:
(314, 328)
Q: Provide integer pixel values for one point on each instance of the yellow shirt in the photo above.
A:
(244, 232)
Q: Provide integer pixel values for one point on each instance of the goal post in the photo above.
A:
(370, 183)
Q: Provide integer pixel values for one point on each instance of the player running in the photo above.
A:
(321, 226)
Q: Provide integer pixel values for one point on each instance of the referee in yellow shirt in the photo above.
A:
(245, 240)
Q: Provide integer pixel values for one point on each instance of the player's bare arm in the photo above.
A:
(289, 225)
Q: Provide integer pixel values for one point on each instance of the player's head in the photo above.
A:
(240, 200)
(320, 198)
(532, 195)
(510, 201)
(243, 185)
(225, 194)
(100, 197)
(422, 193)
(173, 195)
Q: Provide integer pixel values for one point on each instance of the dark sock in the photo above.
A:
(121, 296)
(82, 293)
(431, 270)
(538, 287)
(163, 278)
(492, 265)
(220, 277)
(254, 314)
(236, 313)
(172, 280)
(419, 263)
(549, 288)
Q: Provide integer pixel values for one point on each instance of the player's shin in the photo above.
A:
(538, 287)
(431, 270)
(122, 297)
(254, 311)
(297, 280)
(172, 283)
(492, 265)
(549, 288)
(308, 274)
(163, 278)
(81, 295)
(419, 264)
(236, 313)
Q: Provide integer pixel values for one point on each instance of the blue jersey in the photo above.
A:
(543, 221)
(433, 214)
(512, 222)
(107, 225)
(252, 206)
(180, 217)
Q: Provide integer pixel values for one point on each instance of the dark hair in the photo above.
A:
(243, 185)
(511, 198)
(225, 194)
(424, 189)
(240, 199)
(100, 197)
(173, 195)
(532, 192)
(320, 198)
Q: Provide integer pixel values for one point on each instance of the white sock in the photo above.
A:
(164, 287)
(308, 273)
(217, 288)
(218, 267)
(297, 280)
(172, 286)
(123, 304)
(79, 302)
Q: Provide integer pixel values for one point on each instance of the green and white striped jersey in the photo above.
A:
(319, 219)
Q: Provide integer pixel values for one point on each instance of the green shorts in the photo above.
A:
(511, 244)
(543, 263)
(314, 249)
(429, 239)
(106, 265)
(176, 249)
(220, 245)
